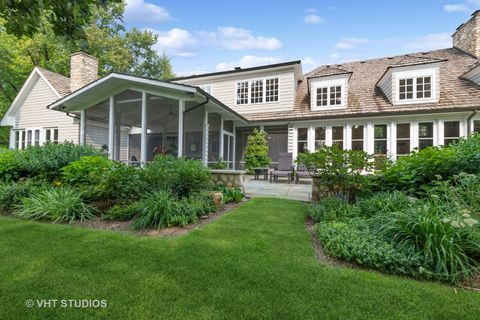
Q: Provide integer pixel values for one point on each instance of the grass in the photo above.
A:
(255, 262)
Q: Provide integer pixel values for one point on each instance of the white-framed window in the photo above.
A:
(258, 91)
(329, 96)
(451, 132)
(20, 139)
(271, 90)
(380, 139)
(425, 135)
(403, 139)
(51, 135)
(36, 137)
(302, 140)
(242, 92)
(357, 137)
(320, 137)
(337, 136)
(415, 88)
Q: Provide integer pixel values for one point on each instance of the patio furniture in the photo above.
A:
(302, 172)
(261, 172)
(284, 169)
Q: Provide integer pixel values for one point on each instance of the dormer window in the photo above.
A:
(329, 96)
(418, 88)
(329, 92)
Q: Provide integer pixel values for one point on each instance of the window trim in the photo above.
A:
(422, 73)
(264, 91)
(452, 137)
(334, 81)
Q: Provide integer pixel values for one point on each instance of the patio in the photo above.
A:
(263, 188)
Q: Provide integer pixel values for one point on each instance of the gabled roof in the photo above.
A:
(366, 99)
(326, 71)
(55, 82)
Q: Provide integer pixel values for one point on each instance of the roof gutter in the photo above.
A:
(469, 121)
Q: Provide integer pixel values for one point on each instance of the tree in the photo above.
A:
(106, 37)
(256, 153)
(67, 17)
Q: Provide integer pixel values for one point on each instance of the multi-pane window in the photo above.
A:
(271, 90)
(302, 140)
(451, 131)
(51, 135)
(256, 91)
(357, 137)
(319, 137)
(19, 139)
(29, 138)
(419, 88)
(425, 135)
(380, 139)
(242, 92)
(329, 96)
(322, 97)
(337, 136)
(424, 87)
(36, 140)
(403, 139)
(336, 96)
(476, 126)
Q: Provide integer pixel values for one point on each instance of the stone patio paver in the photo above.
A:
(281, 189)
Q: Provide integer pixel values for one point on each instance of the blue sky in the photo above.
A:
(215, 35)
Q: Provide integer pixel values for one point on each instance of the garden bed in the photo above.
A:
(126, 226)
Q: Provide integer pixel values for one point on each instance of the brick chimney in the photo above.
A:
(467, 36)
(83, 70)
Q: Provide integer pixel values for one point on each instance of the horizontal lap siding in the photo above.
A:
(34, 113)
(224, 89)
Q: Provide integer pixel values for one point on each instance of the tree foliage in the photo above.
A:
(256, 153)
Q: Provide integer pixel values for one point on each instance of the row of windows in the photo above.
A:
(258, 91)
(31, 137)
(451, 132)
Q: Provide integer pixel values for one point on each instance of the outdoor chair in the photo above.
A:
(284, 169)
(301, 172)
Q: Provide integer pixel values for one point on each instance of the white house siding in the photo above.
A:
(33, 113)
(224, 88)
(387, 85)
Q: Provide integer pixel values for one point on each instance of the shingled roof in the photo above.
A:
(58, 82)
(366, 99)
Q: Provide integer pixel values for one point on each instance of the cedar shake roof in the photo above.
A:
(58, 82)
(366, 99)
(328, 71)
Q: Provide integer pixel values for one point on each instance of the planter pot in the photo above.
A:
(217, 198)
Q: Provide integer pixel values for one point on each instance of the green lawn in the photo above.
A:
(255, 262)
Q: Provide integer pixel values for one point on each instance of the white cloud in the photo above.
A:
(247, 62)
(351, 43)
(176, 42)
(313, 19)
(139, 11)
(430, 41)
(308, 64)
(455, 8)
(239, 39)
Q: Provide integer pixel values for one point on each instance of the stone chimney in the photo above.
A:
(83, 70)
(467, 36)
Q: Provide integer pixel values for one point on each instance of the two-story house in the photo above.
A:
(387, 106)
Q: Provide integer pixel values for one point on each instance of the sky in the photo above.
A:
(217, 35)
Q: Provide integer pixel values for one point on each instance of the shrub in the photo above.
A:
(55, 204)
(155, 210)
(332, 209)
(353, 241)
(256, 152)
(11, 193)
(336, 172)
(385, 203)
(123, 211)
(181, 176)
(424, 166)
(230, 194)
(86, 170)
(9, 169)
(46, 161)
(450, 244)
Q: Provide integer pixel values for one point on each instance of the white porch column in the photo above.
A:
(370, 138)
(234, 144)
(221, 142)
(413, 135)
(111, 127)
(311, 139)
(181, 110)
(143, 138)
(205, 138)
(82, 127)
(347, 136)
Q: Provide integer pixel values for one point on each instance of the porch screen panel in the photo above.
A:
(193, 138)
